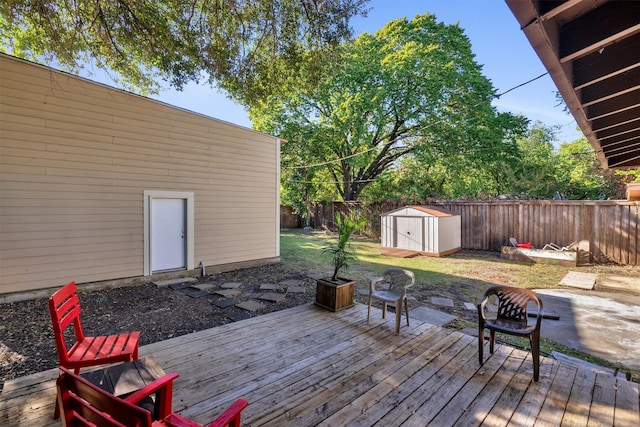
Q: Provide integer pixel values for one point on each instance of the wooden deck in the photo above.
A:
(305, 366)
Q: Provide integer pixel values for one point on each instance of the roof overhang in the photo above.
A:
(591, 49)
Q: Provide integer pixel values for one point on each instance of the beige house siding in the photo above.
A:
(76, 158)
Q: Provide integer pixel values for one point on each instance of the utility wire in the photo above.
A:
(521, 84)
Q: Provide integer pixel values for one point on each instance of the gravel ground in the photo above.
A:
(26, 338)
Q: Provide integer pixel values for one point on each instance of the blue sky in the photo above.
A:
(497, 41)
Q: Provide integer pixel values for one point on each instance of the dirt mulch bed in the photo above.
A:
(26, 338)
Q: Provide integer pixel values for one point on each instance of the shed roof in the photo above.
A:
(431, 210)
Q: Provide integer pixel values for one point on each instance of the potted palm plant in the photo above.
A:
(335, 293)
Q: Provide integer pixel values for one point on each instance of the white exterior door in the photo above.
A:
(168, 227)
(409, 233)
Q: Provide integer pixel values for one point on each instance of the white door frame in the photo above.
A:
(189, 232)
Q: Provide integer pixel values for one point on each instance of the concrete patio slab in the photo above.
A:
(603, 324)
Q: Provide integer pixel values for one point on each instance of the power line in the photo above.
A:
(521, 84)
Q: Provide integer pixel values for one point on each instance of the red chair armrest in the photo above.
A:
(231, 416)
(164, 387)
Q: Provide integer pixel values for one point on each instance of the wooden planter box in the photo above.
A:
(335, 296)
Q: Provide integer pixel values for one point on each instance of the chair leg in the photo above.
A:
(534, 340)
(384, 310)
(369, 311)
(492, 340)
(398, 315)
(481, 345)
(406, 308)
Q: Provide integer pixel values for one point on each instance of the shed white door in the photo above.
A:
(409, 233)
(168, 249)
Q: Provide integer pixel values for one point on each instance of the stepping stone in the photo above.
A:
(296, 290)
(224, 303)
(471, 331)
(292, 282)
(578, 280)
(165, 283)
(433, 317)
(228, 292)
(470, 307)
(231, 285)
(195, 293)
(179, 286)
(446, 302)
(204, 286)
(362, 291)
(239, 315)
(273, 297)
(250, 305)
(491, 308)
(269, 287)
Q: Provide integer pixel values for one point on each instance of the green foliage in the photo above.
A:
(342, 255)
(526, 166)
(252, 48)
(412, 88)
(631, 175)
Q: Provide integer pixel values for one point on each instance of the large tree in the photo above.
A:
(413, 87)
(251, 48)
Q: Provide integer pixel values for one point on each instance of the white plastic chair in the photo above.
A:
(392, 288)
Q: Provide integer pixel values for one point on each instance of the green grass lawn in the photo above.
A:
(463, 277)
(482, 269)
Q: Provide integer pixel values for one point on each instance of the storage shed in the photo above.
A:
(428, 230)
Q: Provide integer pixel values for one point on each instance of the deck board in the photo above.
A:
(306, 366)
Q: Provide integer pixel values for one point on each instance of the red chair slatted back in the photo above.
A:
(83, 404)
(64, 308)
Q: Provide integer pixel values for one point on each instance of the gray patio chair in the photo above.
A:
(392, 288)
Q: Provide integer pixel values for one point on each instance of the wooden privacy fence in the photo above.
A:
(611, 227)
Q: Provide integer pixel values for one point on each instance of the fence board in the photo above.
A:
(612, 227)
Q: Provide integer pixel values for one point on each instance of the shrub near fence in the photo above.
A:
(611, 227)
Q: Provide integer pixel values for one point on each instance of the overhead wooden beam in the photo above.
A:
(611, 22)
(613, 60)
(613, 106)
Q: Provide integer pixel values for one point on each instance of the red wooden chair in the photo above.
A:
(64, 307)
(84, 404)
